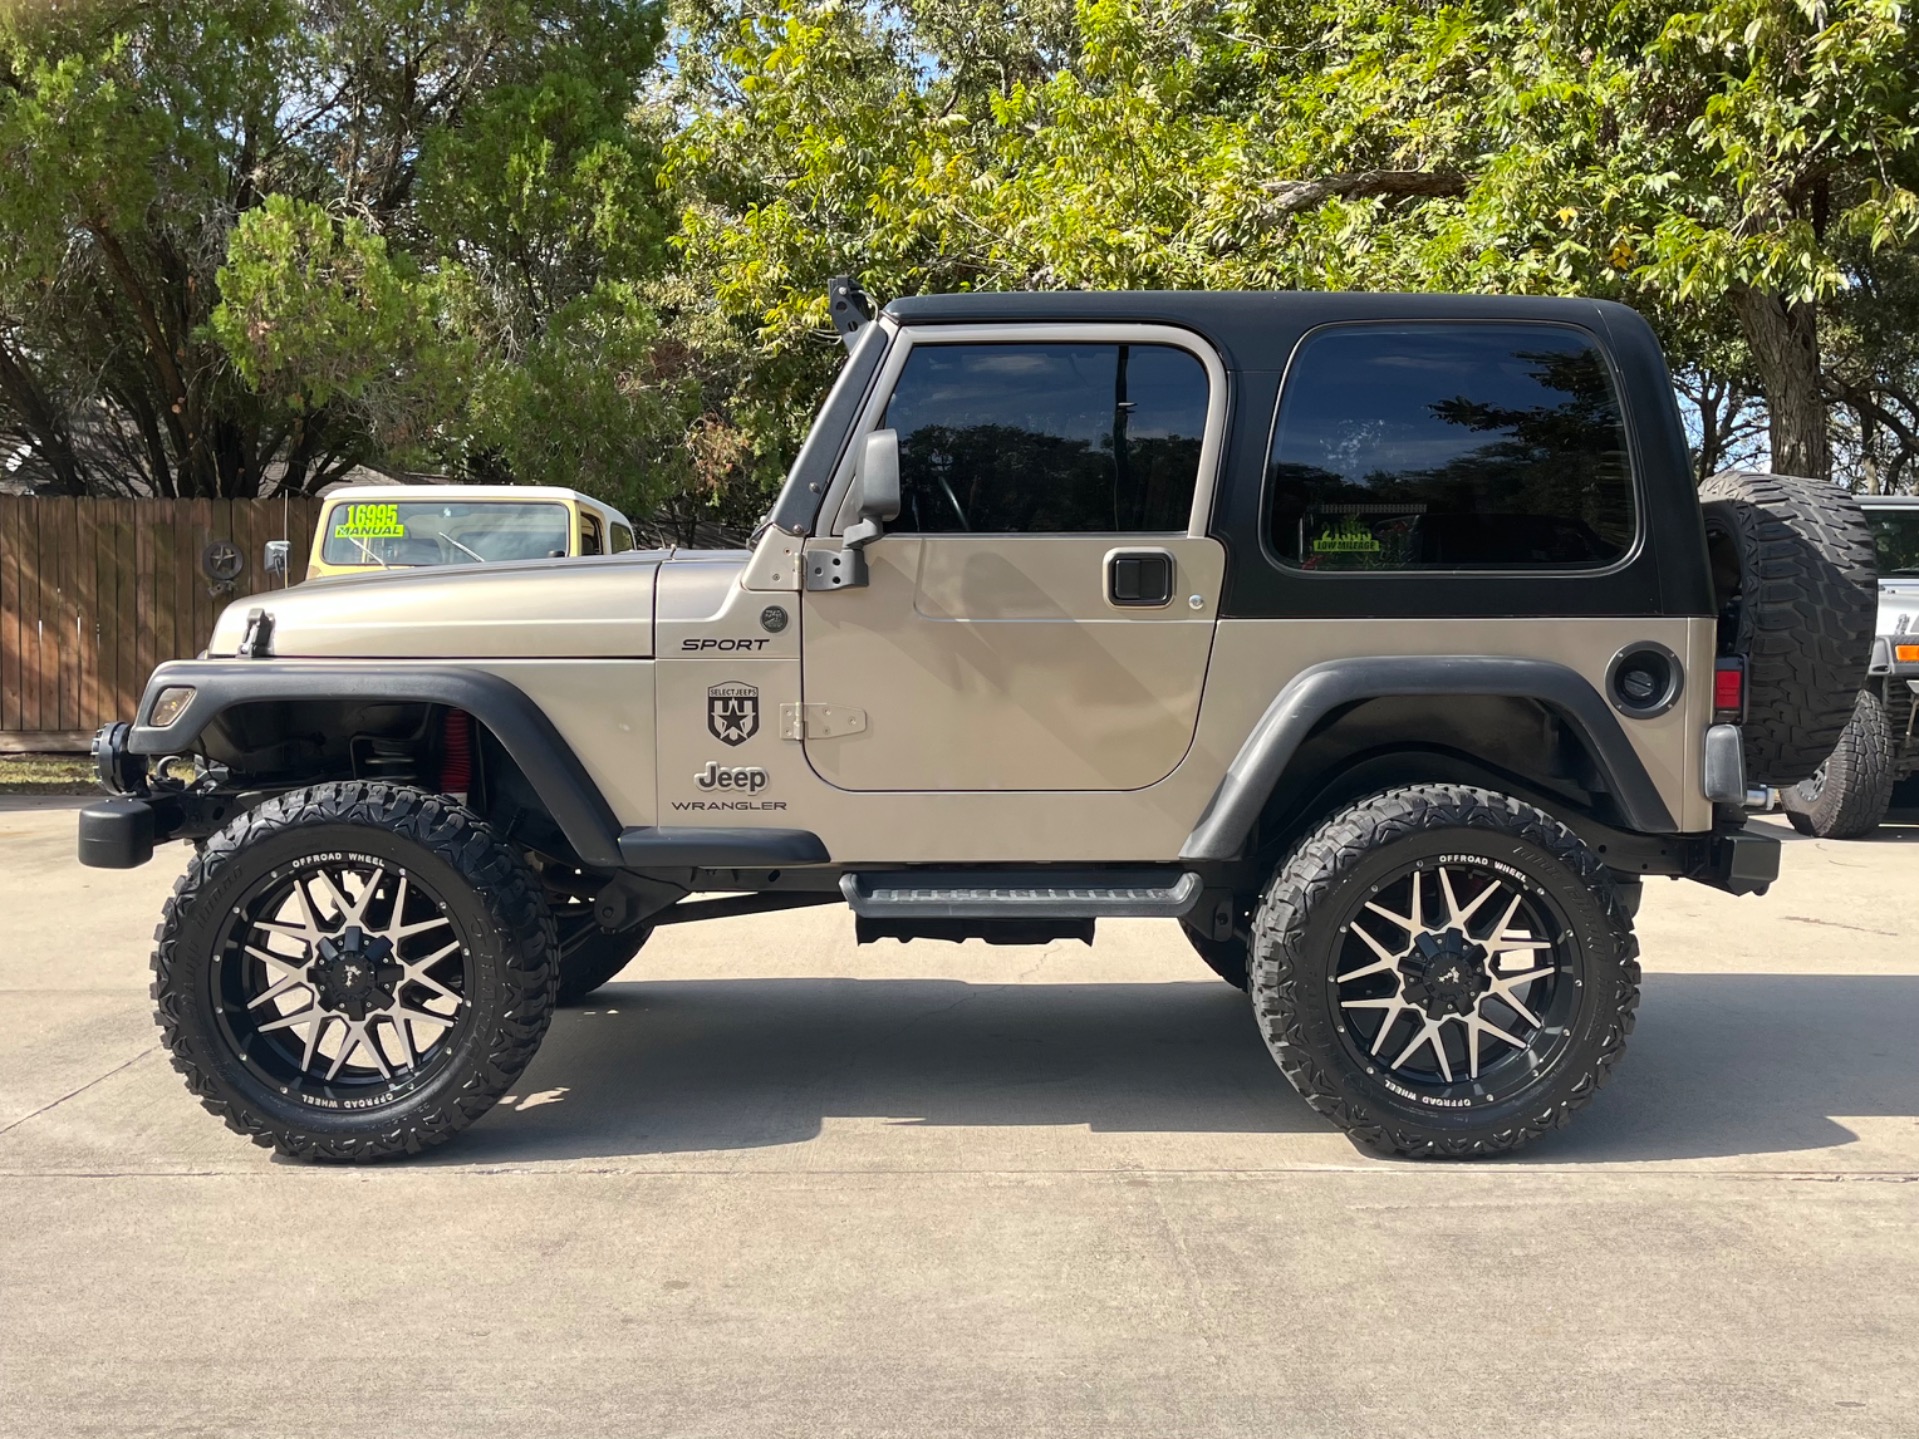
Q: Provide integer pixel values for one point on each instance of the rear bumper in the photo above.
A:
(1741, 862)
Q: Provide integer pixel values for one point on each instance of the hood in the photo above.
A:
(696, 585)
(580, 608)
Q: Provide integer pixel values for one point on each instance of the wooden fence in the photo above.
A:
(95, 593)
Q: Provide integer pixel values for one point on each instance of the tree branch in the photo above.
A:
(1292, 196)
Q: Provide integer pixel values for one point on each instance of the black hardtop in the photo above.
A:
(1255, 333)
(1255, 329)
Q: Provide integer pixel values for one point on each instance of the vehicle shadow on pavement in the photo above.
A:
(1724, 1065)
(1720, 1065)
(682, 1065)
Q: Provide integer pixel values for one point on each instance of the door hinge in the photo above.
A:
(808, 721)
(834, 570)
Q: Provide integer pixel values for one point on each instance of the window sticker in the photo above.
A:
(1347, 537)
(370, 522)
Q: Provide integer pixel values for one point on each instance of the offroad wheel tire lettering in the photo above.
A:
(1850, 793)
(506, 984)
(1793, 562)
(1303, 971)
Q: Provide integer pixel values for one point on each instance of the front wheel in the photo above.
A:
(353, 971)
(1444, 972)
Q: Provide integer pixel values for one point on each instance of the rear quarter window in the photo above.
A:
(1449, 447)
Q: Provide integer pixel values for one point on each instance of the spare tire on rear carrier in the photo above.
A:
(1794, 579)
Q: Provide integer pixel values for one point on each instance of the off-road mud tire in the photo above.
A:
(1295, 946)
(1793, 568)
(1225, 957)
(594, 958)
(1849, 796)
(498, 901)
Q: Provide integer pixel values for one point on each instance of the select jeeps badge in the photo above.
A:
(733, 713)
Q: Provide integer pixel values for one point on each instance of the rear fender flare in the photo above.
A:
(1233, 813)
(520, 725)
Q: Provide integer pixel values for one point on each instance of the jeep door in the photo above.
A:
(1040, 614)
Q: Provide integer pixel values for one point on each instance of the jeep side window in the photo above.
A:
(622, 539)
(1047, 438)
(1449, 447)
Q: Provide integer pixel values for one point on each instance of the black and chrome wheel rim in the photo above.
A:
(342, 981)
(1456, 982)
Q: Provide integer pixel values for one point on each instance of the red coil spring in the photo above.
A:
(456, 748)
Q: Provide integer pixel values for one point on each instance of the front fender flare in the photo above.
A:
(520, 725)
(1315, 692)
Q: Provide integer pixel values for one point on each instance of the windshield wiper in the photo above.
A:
(468, 548)
(367, 550)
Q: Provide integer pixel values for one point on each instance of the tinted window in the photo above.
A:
(1022, 439)
(1450, 447)
(622, 539)
(1896, 534)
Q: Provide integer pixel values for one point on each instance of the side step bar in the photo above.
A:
(920, 894)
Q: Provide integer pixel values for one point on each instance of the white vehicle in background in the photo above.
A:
(1850, 794)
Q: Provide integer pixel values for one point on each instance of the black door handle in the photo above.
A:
(1139, 579)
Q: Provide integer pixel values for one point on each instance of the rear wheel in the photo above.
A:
(1444, 971)
(354, 971)
(1848, 796)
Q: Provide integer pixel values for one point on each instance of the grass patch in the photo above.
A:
(46, 774)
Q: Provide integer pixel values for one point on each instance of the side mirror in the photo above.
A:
(878, 482)
(279, 557)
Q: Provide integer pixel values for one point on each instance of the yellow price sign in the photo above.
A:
(370, 522)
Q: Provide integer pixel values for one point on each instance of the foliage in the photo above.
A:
(255, 242)
(1735, 170)
(316, 313)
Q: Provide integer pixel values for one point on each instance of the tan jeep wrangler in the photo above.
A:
(1381, 642)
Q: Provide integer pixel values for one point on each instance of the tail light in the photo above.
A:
(1729, 691)
(456, 753)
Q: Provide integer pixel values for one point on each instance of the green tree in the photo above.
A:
(254, 242)
(1735, 170)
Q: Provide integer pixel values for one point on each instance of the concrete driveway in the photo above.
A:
(775, 1184)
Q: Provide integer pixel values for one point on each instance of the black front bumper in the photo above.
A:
(116, 833)
(120, 832)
